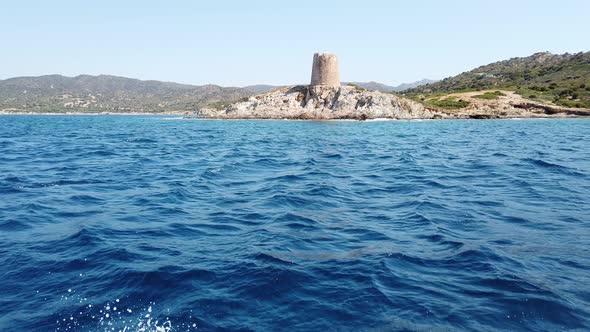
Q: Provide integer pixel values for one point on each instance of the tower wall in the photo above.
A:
(325, 70)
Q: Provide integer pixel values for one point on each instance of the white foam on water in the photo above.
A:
(120, 318)
(380, 120)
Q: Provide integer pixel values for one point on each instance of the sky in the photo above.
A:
(238, 43)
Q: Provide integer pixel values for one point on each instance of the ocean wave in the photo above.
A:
(553, 167)
(273, 225)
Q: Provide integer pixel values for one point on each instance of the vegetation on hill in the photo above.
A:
(449, 103)
(562, 80)
(84, 93)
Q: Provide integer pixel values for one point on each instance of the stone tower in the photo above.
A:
(325, 70)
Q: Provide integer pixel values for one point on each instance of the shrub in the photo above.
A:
(538, 88)
(449, 103)
(490, 95)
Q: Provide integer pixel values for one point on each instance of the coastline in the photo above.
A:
(189, 117)
(348, 103)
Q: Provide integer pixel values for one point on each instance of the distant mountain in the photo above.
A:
(375, 86)
(104, 93)
(406, 86)
(260, 88)
(387, 88)
(562, 80)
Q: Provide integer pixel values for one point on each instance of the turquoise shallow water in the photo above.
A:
(137, 223)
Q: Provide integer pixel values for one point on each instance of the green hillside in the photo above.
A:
(562, 80)
(104, 93)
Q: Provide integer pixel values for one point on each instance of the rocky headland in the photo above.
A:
(351, 102)
(326, 99)
(322, 103)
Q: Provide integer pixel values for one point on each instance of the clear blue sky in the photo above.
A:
(236, 43)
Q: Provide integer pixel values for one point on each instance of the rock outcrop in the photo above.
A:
(321, 102)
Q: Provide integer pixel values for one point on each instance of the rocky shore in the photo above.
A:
(321, 103)
(355, 103)
(350, 102)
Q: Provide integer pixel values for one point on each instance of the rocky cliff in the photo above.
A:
(319, 102)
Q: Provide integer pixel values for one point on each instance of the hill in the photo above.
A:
(373, 86)
(104, 93)
(406, 86)
(260, 88)
(562, 80)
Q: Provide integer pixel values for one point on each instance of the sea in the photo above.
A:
(159, 223)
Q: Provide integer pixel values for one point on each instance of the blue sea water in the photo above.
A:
(139, 223)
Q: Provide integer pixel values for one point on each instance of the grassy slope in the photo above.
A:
(562, 80)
